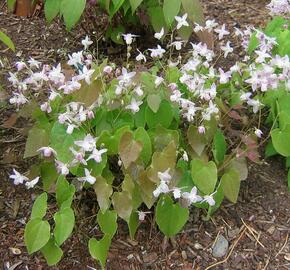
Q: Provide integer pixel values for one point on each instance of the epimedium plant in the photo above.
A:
(161, 140)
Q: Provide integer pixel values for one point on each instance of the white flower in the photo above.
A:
(160, 34)
(70, 128)
(197, 28)
(245, 96)
(157, 52)
(185, 156)
(47, 151)
(181, 21)
(256, 104)
(129, 38)
(61, 167)
(140, 57)
(258, 132)
(97, 155)
(142, 215)
(56, 75)
(45, 107)
(177, 45)
(79, 156)
(209, 199)
(138, 90)
(210, 25)
(86, 42)
(224, 76)
(75, 59)
(162, 188)
(126, 77)
(20, 65)
(88, 144)
(201, 129)
(107, 69)
(262, 56)
(86, 74)
(32, 183)
(53, 94)
(222, 31)
(18, 99)
(227, 49)
(165, 176)
(88, 177)
(176, 193)
(33, 63)
(158, 81)
(192, 196)
(18, 178)
(134, 105)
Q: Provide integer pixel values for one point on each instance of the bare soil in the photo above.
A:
(257, 227)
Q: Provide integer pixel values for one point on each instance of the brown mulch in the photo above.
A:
(257, 227)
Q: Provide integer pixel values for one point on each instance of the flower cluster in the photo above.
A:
(279, 7)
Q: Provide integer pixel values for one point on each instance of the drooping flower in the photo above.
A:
(209, 199)
(129, 38)
(61, 167)
(88, 143)
(134, 105)
(140, 57)
(227, 49)
(32, 183)
(159, 35)
(47, 151)
(88, 177)
(157, 53)
(222, 32)
(165, 176)
(192, 196)
(258, 133)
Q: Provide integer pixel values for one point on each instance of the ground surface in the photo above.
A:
(257, 227)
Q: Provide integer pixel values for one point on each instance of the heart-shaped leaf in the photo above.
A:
(281, 139)
(196, 140)
(39, 206)
(108, 222)
(64, 224)
(170, 216)
(36, 235)
(230, 183)
(52, 252)
(204, 175)
(123, 205)
(153, 102)
(129, 149)
(104, 192)
(99, 249)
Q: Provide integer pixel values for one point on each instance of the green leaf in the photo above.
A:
(108, 222)
(135, 4)
(64, 224)
(37, 138)
(64, 192)
(123, 204)
(72, 11)
(288, 178)
(99, 249)
(60, 141)
(11, 4)
(170, 216)
(170, 10)
(103, 191)
(39, 207)
(157, 18)
(7, 41)
(133, 224)
(141, 135)
(51, 9)
(153, 101)
(196, 140)
(219, 146)
(230, 183)
(194, 10)
(270, 150)
(51, 252)
(36, 235)
(48, 174)
(163, 116)
(129, 149)
(280, 139)
(115, 7)
(204, 175)
(146, 189)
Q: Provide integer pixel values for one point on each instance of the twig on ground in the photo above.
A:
(284, 245)
(231, 250)
(253, 234)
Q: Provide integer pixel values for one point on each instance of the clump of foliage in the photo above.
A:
(154, 13)
(172, 136)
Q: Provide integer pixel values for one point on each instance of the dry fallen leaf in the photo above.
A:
(287, 256)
